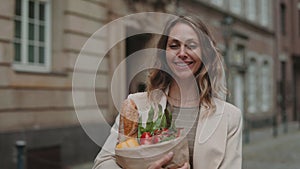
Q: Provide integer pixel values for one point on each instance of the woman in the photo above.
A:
(190, 77)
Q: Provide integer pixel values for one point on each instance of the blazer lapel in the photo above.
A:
(208, 125)
(210, 143)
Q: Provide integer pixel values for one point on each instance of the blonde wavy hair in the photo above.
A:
(210, 75)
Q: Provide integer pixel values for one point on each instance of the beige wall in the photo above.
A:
(44, 100)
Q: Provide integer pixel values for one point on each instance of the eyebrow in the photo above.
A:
(176, 40)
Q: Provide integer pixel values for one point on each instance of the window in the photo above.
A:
(239, 55)
(264, 11)
(251, 9)
(217, 2)
(32, 35)
(252, 86)
(282, 18)
(259, 86)
(265, 86)
(236, 6)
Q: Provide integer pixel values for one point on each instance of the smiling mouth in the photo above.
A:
(183, 64)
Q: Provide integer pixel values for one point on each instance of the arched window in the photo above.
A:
(252, 86)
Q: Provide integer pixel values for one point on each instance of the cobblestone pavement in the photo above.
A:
(282, 152)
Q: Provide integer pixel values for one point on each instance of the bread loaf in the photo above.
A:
(128, 126)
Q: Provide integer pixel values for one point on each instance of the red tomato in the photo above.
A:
(156, 138)
(146, 138)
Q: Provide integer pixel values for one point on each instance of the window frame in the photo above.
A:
(266, 85)
(259, 74)
(283, 18)
(24, 65)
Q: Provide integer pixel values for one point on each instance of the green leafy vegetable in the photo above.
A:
(140, 127)
(162, 129)
(149, 124)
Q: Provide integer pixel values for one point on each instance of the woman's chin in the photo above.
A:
(184, 75)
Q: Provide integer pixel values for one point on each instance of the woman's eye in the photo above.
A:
(192, 46)
(174, 46)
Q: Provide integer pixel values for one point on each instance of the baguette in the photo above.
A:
(129, 116)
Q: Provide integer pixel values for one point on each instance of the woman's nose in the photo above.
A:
(182, 52)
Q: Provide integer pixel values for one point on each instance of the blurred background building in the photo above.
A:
(40, 41)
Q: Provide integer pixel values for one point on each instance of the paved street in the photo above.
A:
(84, 166)
(282, 152)
(264, 151)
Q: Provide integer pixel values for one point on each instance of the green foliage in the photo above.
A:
(162, 129)
(163, 121)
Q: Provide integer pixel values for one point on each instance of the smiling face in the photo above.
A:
(183, 51)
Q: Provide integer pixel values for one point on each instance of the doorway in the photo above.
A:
(134, 44)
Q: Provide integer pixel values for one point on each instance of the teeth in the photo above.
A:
(181, 64)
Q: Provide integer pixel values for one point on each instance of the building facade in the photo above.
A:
(39, 43)
(246, 33)
(288, 14)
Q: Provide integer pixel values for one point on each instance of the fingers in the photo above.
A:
(159, 163)
(185, 166)
(165, 159)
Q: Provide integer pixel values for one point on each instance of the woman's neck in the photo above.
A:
(184, 93)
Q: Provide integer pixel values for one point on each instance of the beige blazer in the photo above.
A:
(218, 143)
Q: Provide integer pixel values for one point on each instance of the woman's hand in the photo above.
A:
(164, 160)
(185, 166)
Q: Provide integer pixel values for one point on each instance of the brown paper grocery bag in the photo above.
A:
(143, 156)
